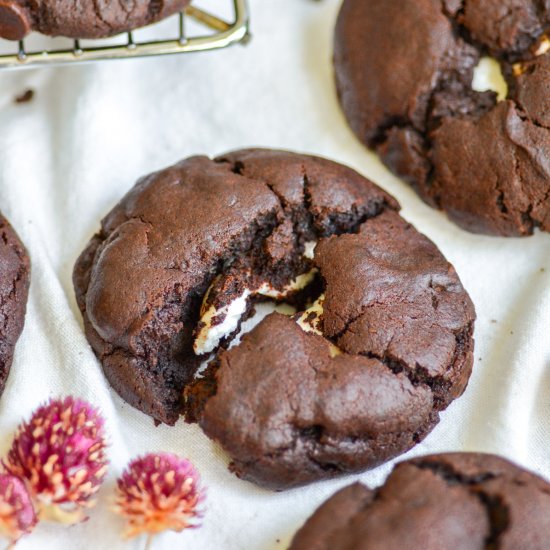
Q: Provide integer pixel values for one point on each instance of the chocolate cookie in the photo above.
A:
(381, 341)
(461, 500)
(14, 288)
(404, 71)
(81, 19)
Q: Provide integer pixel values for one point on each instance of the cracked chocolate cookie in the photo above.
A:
(379, 342)
(404, 71)
(460, 500)
(14, 288)
(81, 19)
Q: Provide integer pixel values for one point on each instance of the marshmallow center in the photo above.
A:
(310, 321)
(543, 46)
(299, 283)
(488, 76)
(211, 334)
(309, 249)
(217, 324)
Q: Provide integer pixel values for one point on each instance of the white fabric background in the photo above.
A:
(68, 156)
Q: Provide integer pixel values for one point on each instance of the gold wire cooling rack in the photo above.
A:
(225, 34)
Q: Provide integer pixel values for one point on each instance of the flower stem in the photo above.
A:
(148, 542)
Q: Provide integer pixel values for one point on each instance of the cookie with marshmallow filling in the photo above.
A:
(377, 342)
(144, 279)
(357, 378)
(405, 78)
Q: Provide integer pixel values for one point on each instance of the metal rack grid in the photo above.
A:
(225, 35)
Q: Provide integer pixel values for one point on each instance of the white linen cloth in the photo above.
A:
(71, 153)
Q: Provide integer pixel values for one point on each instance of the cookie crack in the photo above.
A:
(238, 167)
(99, 15)
(381, 134)
(500, 197)
(350, 321)
(452, 476)
(498, 513)
(522, 113)
(419, 376)
(526, 215)
(260, 230)
(316, 438)
(155, 8)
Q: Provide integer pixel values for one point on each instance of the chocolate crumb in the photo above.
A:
(26, 97)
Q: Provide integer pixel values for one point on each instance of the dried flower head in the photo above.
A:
(158, 492)
(60, 453)
(17, 516)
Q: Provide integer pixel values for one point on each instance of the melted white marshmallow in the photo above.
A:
(210, 336)
(309, 249)
(488, 76)
(543, 46)
(310, 319)
(299, 283)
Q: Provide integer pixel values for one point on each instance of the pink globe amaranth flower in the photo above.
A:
(17, 515)
(158, 492)
(60, 453)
